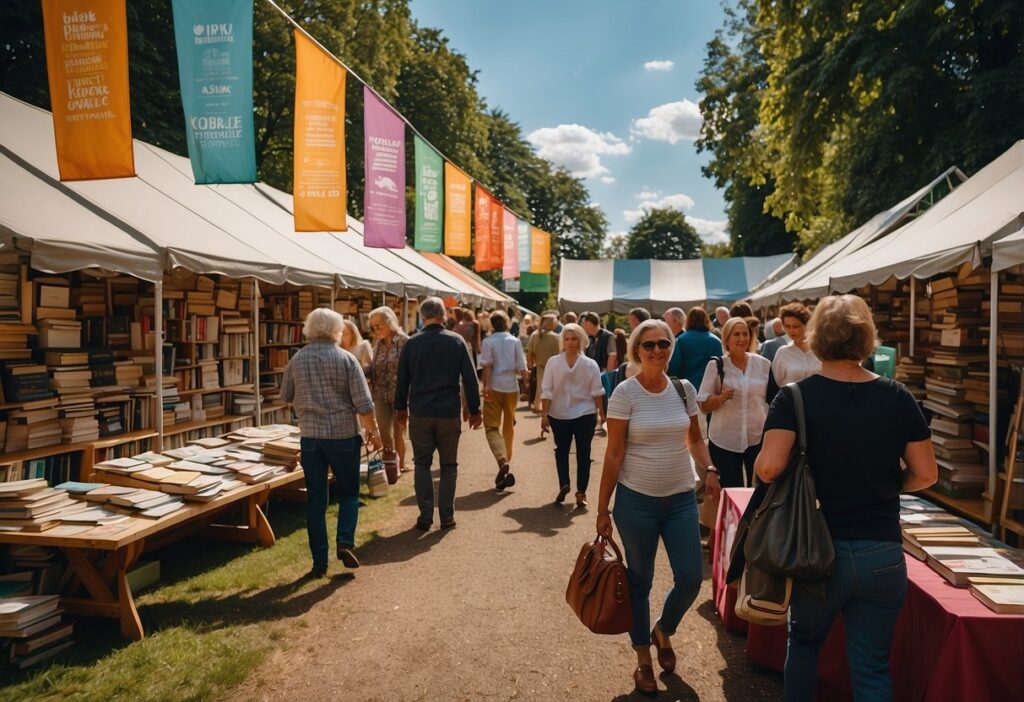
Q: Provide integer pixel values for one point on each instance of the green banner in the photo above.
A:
(534, 282)
(429, 198)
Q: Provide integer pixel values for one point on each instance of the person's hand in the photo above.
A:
(544, 424)
(373, 441)
(487, 394)
(604, 525)
(712, 488)
(475, 421)
(727, 393)
(403, 417)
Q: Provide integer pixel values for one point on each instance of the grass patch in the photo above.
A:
(219, 610)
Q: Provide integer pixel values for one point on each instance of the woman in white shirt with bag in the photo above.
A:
(652, 430)
(735, 399)
(571, 405)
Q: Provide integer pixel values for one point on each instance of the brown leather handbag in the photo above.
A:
(598, 591)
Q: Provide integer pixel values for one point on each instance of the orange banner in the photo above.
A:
(540, 251)
(457, 204)
(483, 252)
(319, 187)
(87, 66)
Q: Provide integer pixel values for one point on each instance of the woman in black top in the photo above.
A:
(859, 426)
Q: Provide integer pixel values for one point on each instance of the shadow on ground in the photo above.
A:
(545, 520)
(400, 547)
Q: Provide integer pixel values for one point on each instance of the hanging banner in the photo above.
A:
(457, 203)
(482, 255)
(497, 237)
(214, 42)
(535, 282)
(87, 67)
(384, 166)
(523, 236)
(540, 251)
(429, 198)
(319, 178)
(509, 241)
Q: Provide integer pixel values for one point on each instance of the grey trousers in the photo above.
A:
(441, 434)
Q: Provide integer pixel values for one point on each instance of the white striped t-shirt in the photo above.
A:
(657, 460)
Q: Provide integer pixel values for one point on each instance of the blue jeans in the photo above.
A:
(867, 587)
(342, 456)
(641, 520)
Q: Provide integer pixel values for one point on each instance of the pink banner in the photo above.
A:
(384, 196)
(510, 242)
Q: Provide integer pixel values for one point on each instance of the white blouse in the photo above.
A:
(738, 423)
(791, 365)
(571, 390)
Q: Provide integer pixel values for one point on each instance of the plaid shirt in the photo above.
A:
(327, 389)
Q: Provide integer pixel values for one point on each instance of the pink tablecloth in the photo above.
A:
(947, 645)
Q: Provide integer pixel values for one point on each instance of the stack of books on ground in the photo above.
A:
(910, 371)
(31, 630)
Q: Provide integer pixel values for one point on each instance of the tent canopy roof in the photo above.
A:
(1008, 252)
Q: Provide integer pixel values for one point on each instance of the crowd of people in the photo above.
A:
(690, 404)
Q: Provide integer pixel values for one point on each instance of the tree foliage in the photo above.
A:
(663, 234)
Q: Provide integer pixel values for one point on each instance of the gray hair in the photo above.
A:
(721, 308)
(577, 331)
(769, 328)
(638, 334)
(323, 324)
(432, 308)
(676, 314)
(389, 317)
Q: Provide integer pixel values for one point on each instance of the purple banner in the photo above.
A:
(384, 196)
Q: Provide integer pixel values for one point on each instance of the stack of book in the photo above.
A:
(911, 372)
(35, 425)
(282, 452)
(59, 333)
(31, 629)
(25, 381)
(11, 277)
(243, 403)
(32, 505)
(958, 563)
(90, 297)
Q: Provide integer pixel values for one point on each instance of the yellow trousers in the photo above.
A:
(499, 423)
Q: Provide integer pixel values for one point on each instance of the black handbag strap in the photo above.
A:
(798, 408)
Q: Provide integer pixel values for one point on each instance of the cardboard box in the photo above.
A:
(54, 296)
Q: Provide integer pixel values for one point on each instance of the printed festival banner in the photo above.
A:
(497, 237)
(535, 282)
(540, 251)
(482, 255)
(429, 233)
(510, 239)
(214, 42)
(384, 165)
(523, 235)
(457, 203)
(319, 180)
(87, 67)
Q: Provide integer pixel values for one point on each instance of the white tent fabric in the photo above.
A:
(794, 286)
(1008, 252)
(677, 284)
(35, 216)
(959, 228)
(587, 285)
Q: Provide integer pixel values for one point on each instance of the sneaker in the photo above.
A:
(348, 558)
(508, 481)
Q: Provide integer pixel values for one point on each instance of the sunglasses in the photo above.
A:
(662, 344)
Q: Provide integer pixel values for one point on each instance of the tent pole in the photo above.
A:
(334, 292)
(405, 313)
(993, 386)
(254, 315)
(158, 359)
(913, 313)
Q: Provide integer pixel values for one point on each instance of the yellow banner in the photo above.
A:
(87, 66)
(457, 204)
(540, 251)
(319, 181)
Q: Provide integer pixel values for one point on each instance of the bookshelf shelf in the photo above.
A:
(175, 429)
(282, 345)
(245, 387)
(109, 441)
(46, 451)
(977, 509)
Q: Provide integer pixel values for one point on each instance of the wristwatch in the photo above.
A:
(711, 469)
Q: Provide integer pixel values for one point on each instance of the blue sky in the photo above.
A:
(602, 87)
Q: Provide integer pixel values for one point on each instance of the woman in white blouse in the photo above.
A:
(652, 430)
(353, 342)
(736, 402)
(795, 361)
(571, 405)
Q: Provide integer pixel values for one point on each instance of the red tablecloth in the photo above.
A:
(947, 646)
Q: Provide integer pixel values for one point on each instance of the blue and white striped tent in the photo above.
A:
(618, 285)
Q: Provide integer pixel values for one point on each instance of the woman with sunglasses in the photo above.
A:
(652, 430)
(735, 398)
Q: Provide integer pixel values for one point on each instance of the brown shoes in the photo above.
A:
(581, 500)
(643, 677)
(666, 656)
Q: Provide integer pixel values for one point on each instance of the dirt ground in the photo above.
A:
(478, 612)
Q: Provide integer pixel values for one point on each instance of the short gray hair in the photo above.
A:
(577, 331)
(432, 308)
(390, 318)
(323, 324)
(677, 314)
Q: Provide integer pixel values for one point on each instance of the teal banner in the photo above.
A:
(523, 232)
(214, 41)
(429, 198)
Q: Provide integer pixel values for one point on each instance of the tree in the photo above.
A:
(616, 247)
(720, 249)
(663, 234)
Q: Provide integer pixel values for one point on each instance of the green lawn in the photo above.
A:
(217, 612)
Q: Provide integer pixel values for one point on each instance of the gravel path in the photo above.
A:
(479, 612)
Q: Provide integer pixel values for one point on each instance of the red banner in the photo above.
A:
(488, 251)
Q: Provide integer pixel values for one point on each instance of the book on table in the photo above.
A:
(956, 564)
(1001, 595)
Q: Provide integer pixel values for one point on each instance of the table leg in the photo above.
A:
(255, 530)
(110, 595)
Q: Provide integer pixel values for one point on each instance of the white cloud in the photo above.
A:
(577, 148)
(607, 180)
(650, 201)
(647, 195)
(712, 231)
(658, 66)
(671, 122)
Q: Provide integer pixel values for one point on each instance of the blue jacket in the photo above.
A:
(694, 349)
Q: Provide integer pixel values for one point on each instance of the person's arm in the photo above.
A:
(715, 392)
(597, 392)
(700, 453)
(287, 384)
(369, 422)
(775, 453)
(613, 361)
(472, 389)
(613, 455)
(922, 471)
(547, 391)
(486, 360)
(524, 374)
